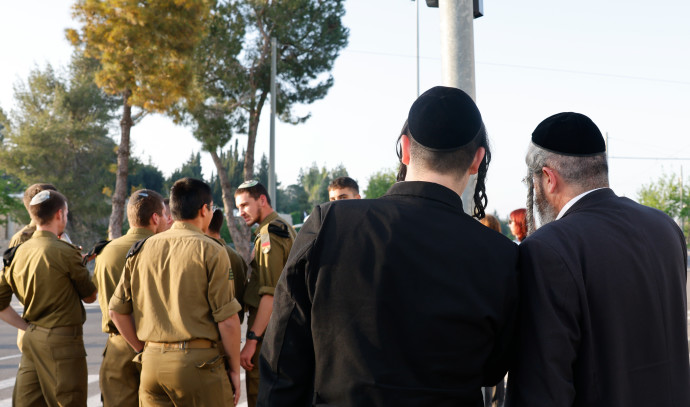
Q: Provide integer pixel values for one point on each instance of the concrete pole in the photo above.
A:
(417, 48)
(272, 150)
(457, 60)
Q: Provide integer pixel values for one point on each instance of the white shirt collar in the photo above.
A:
(572, 202)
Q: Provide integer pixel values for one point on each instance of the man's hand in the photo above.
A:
(235, 382)
(247, 354)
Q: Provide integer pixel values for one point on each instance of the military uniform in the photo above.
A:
(272, 246)
(175, 285)
(238, 274)
(23, 235)
(48, 278)
(119, 375)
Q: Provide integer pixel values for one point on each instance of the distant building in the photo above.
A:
(8, 227)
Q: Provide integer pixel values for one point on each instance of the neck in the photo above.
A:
(213, 235)
(451, 182)
(150, 227)
(198, 222)
(51, 227)
(265, 212)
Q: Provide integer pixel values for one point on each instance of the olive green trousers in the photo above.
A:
(119, 375)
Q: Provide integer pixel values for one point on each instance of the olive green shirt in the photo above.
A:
(176, 287)
(272, 246)
(23, 235)
(48, 278)
(238, 271)
(108, 270)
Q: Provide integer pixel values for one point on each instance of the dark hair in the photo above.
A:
(43, 212)
(187, 196)
(402, 169)
(343, 182)
(255, 192)
(518, 217)
(458, 161)
(216, 221)
(32, 190)
(142, 205)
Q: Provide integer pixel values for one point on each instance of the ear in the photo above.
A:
(478, 158)
(155, 219)
(550, 179)
(405, 147)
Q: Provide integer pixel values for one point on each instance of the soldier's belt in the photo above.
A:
(193, 344)
(74, 330)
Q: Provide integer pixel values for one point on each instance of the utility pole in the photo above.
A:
(272, 149)
(457, 57)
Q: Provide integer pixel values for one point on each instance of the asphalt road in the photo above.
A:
(94, 341)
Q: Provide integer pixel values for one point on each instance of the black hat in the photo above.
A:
(444, 119)
(569, 134)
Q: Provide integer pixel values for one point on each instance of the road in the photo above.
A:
(94, 342)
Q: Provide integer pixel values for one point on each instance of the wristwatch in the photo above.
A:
(252, 335)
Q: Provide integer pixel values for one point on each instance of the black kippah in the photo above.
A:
(444, 119)
(569, 134)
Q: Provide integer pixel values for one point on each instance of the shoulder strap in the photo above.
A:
(281, 231)
(136, 247)
(8, 255)
(95, 251)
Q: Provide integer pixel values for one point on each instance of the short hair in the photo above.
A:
(187, 196)
(344, 182)
(216, 221)
(457, 162)
(166, 202)
(583, 172)
(255, 192)
(43, 212)
(491, 222)
(519, 217)
(142, 205)
(32, 190)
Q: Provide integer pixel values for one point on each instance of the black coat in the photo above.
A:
(399, 301)
(603, 320)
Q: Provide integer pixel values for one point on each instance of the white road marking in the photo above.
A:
(11, 356)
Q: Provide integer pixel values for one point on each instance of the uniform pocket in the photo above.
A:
(71, 373)
(211, 363)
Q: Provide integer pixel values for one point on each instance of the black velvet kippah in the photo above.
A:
(444, 119)
(569, 134)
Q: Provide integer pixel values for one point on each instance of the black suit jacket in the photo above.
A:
(399, 301)
(603, 321)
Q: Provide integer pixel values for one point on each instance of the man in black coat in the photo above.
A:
(403, 300)
(603, 285)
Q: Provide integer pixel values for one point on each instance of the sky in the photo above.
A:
(622, 63)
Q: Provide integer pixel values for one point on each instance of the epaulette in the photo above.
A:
(96, 250)
(8, 255)
(278, 230)
(136, 247)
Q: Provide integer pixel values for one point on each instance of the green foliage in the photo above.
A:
(233, 65)
(315, 182)
(143, 47)
(10, 195)
(58, 134)
(665, 195)
(191, 168)
(146, 176)
(379, 183)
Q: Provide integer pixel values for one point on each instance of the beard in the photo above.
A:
(546, 213)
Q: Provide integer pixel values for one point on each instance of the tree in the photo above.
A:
(58, 134)
(379, 184)
(315, 182)
(145, 50)
(664, 194)
(146, 176)
(191, 168)
(233, 74)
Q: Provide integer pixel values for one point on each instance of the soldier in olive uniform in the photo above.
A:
(174, 305)
(238, 268)
(47, 276)
(25, 233)
(119, 375)
(272, 246)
